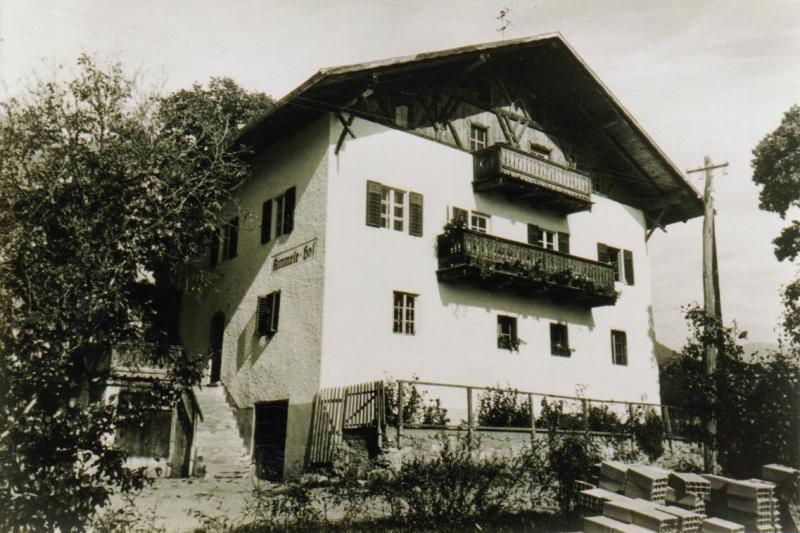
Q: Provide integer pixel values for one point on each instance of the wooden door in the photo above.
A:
(269, 439)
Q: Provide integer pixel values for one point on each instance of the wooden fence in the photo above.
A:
(339, 408)
(676, 423)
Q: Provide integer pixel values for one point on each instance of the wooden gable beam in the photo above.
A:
(617, 146)
(655, 223)
(346, 123)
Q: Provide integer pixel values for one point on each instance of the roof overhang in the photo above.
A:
(673, 198)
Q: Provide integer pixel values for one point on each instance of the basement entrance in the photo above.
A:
(269, 439)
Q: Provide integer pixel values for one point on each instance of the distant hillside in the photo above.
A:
(664, 353)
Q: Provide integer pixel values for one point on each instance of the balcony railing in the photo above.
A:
(466, 254)
(502, 166)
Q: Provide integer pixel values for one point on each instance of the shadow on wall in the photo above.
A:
(457, 296)
(249, 345)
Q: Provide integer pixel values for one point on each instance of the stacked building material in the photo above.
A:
(718, 525)
(647, 482)
(685, 483)
(612, 476)
(751, 503)
(604, 524)
(787, 491)
(590, 501)
(641, 513)
(688, 521)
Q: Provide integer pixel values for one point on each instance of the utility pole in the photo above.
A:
(503, 22)
(711, 296)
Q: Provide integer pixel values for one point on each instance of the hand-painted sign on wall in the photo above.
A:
(296, 254)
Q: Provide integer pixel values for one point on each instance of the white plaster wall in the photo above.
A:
(286, 366)
(456, 339)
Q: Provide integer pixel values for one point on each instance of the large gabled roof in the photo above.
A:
(331, 88)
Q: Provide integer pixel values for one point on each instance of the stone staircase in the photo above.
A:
(219, 449)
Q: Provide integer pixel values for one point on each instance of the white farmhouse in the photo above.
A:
(472, 216)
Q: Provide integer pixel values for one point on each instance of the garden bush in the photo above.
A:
(417, 407)
(553, 417)
(570, 458)
(503, 408)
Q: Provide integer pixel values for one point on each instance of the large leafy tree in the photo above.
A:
(107, 198)
(776, 168)
(753, 399)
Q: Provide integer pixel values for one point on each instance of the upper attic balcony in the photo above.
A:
(530, 177)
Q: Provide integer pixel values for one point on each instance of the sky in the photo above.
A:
(702, 77)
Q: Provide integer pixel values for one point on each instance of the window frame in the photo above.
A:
(404, 313)
(268, 317)
(617, 358)
(402, 116)
(507, 340)
(475, 141)
(230, 239)
(560, 349)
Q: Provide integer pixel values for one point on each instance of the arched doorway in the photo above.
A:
(217, 330)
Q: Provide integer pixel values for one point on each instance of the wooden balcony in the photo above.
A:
(533, 178)
(499, 263)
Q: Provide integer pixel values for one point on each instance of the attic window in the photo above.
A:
(478, 137)
(539, 150)
(401, 116)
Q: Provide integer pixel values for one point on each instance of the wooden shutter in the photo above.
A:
(276, 311)
(213, 250)
(266, 221)
(233, 239)
(288, 211)
(628, 259)
(374, 195)
(563, 242)
(226, 240)
(602, 253)
(264, 315)
(415, 214)
(459, 216)
(554, 339)
(535, 235)
(513, 322)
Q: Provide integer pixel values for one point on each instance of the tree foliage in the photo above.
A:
(776, 168)
(107, 197)
(754, 400)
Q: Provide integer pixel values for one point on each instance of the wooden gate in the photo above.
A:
(340, 408)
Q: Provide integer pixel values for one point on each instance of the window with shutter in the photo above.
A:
(233, 239)
(610, 256)
(628, 260)
(619, 348)
(213, 250)
(459, 216)
(563, 242)
(415, 214)
(267, 314)
(559, 340)
(288, 210)
(374, 197)
(535, 235)
(266, 221)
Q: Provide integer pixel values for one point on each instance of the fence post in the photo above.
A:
(630, 419)
(470, 417)
(344, 412)
(378, 412)
(585, 417)
(667, 424)
(399, 411)
(533, 418)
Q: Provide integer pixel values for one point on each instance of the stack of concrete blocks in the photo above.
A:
(787, 489)
(612, 476)
(647, 482)
(718, 525)
(751, 503)
(608, 511)
(688, 491)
